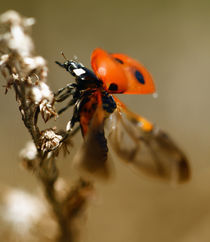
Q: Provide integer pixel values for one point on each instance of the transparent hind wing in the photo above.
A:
(148, 149)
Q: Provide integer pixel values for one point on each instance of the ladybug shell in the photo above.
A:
(121, 74)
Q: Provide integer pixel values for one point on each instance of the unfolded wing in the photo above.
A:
(145, 147)
(92, 157)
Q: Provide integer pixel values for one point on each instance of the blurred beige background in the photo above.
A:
(172, 39)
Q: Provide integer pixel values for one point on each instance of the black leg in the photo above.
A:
(59, 91)
(65, 92)
(69, 104)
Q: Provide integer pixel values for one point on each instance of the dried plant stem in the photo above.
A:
(46, 172)
(65, 235)
(18, 66)
(27, 115)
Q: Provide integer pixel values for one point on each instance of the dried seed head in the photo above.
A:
(4, 59)
(47, 110)
(12, 17)
(40, 92)
(37, 65)
(50, 140)
(16, 39)
(29, 152)
(25, 216)
(29, 156)
(22, 210)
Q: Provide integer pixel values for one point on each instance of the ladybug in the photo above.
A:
(134, 139)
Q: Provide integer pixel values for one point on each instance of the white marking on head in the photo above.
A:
(79, 72)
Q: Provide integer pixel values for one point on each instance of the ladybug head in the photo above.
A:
(73, 67)
(84, 76)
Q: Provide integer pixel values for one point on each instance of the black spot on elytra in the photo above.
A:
(139, 77)
(119, 60)
(113, 87)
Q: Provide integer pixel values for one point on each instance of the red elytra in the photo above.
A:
(121, 74)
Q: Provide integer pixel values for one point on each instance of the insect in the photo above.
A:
(134, 139)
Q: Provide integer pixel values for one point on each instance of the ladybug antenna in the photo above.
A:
(60, 64)
(63, 55)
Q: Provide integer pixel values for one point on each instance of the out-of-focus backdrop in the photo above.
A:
(172, 39)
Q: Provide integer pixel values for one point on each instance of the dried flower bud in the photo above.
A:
(29, 152)
(15, 77)
(4, 59)
(36, 65)
(25, 217)
(29, 156)
(50, 140)
(40, 92)
(34, 62)
(12, 17)
(47, 110)
(16, 39)
(41, 95)
(21, 210)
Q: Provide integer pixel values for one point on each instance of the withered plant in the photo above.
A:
(26, 74)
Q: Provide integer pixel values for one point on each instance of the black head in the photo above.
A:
(83, 75)
(73, 67)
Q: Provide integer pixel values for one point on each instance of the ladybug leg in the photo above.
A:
(75, 117)
(63, 93)
(59, 91)
(69, 104)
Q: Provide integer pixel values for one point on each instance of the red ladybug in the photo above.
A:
(134, 139)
